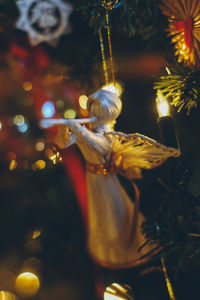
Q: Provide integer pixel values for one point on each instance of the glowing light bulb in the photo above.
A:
(162, 105)
(27, 284)
(18, 120)
(70, 114)
(118, 291)
(115, 88)
(48, 109)
(83, 101)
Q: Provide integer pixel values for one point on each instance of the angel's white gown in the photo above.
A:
(110, 208)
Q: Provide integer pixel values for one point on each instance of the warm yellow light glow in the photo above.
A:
(40, 164)
(70, 114)
(168, 70)
(39, 146)
(5, 295)
(110, 297)
(83, 101)
(27, 86)
(27, 284)
(53, 155)
(118, 291)
(36, 234)
(48, 153)
(114, 88)
(162, 105)
(1, 125)
(19, 120)
(12, 165)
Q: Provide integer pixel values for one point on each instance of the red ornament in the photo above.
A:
(186, 26)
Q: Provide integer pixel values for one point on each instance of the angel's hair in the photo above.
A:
(104, 105)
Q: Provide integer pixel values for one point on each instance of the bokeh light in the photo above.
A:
(12, 165)
(36, 233)
(53, 155)
(27, 86)
(60, 104)
(83, 101)
(115, 88)
(1, 125)
(48, 109)
(40, 145)
(40, 164)
(27, 284)
(70, 114)
(18, 120)
(23, 128)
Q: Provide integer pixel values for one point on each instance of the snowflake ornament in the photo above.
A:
(44, 20)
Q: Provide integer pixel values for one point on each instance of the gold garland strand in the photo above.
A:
(168, 282)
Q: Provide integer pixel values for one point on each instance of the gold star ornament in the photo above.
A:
(184, 27)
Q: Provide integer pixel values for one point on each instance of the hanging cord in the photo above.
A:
(108, 5)
(168, 282)
(105, 68)
(110, 48)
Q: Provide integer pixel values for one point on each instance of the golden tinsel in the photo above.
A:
(184, 26)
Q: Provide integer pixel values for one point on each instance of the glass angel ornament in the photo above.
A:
(114, 234)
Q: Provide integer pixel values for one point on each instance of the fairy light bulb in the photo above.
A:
(162, 105)
(165, 122)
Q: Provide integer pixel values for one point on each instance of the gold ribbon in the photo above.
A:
(108, 5)
(101, 169)
(168, 282)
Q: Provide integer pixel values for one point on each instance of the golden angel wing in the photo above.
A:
(133, 152)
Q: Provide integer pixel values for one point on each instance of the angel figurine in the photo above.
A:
(114, 219)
